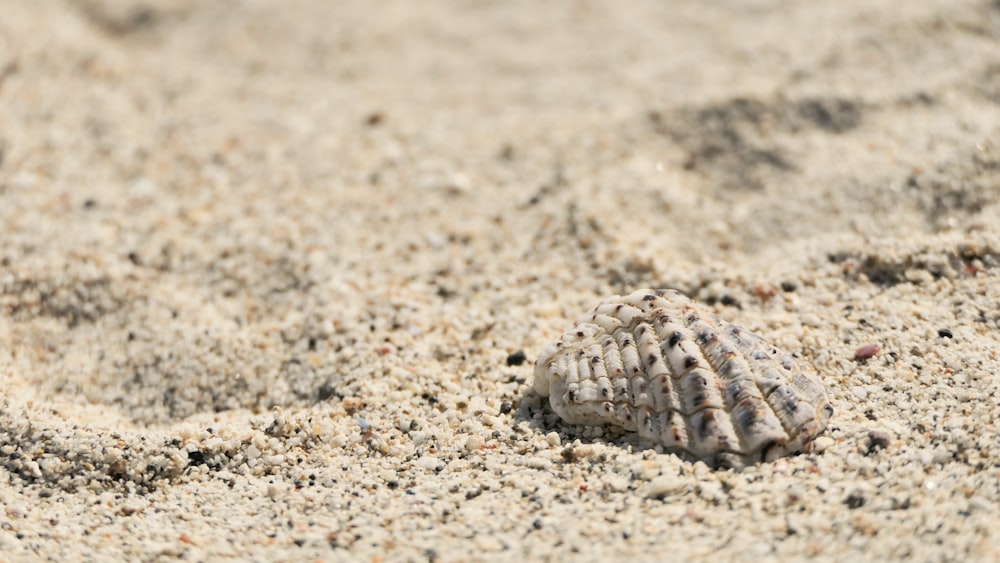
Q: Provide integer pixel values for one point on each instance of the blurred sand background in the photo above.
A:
(266, 268)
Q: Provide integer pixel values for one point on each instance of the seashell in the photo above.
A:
(657, 363)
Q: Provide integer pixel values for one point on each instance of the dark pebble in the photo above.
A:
(506, 407)
(517, 358)
(196, 457)
(855, 500)
(788, 286)
(945, 333)
(327, 390)
(877, 440)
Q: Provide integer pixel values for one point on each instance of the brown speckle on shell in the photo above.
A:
(656, 363)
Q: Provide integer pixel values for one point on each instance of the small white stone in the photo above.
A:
(711, 491)
(537, 463)
(664, 485)
(553, 439)
(430, 463)
(274, 459)
(926, 456)
(326, 328)
(822, 443)
(474, 442)
(942, 455)
(812, 320)
(436, 240)
(616, 484)
(492, 421)
(32, 467)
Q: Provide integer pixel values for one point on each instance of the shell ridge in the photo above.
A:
(655, 362)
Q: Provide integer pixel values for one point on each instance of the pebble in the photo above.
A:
(865, 352)
(812, 320)
(926, 457)
(132, 507)
(274, 459)
(553, 439)
(474, 442)
(822, 443)
(537, 463)
(663, 485)
(516, 358)
(273, 490)
(878, 440)
(711, 491)
(429, 463)
(616, 483)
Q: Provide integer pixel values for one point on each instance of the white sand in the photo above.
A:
(263, 264)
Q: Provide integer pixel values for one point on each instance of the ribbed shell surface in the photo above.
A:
(656, 363)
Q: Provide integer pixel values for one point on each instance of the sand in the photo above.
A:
(273, 275)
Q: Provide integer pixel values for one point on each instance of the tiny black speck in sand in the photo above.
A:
(517, 358)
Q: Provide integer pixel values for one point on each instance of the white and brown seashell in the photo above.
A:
(657, 363)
